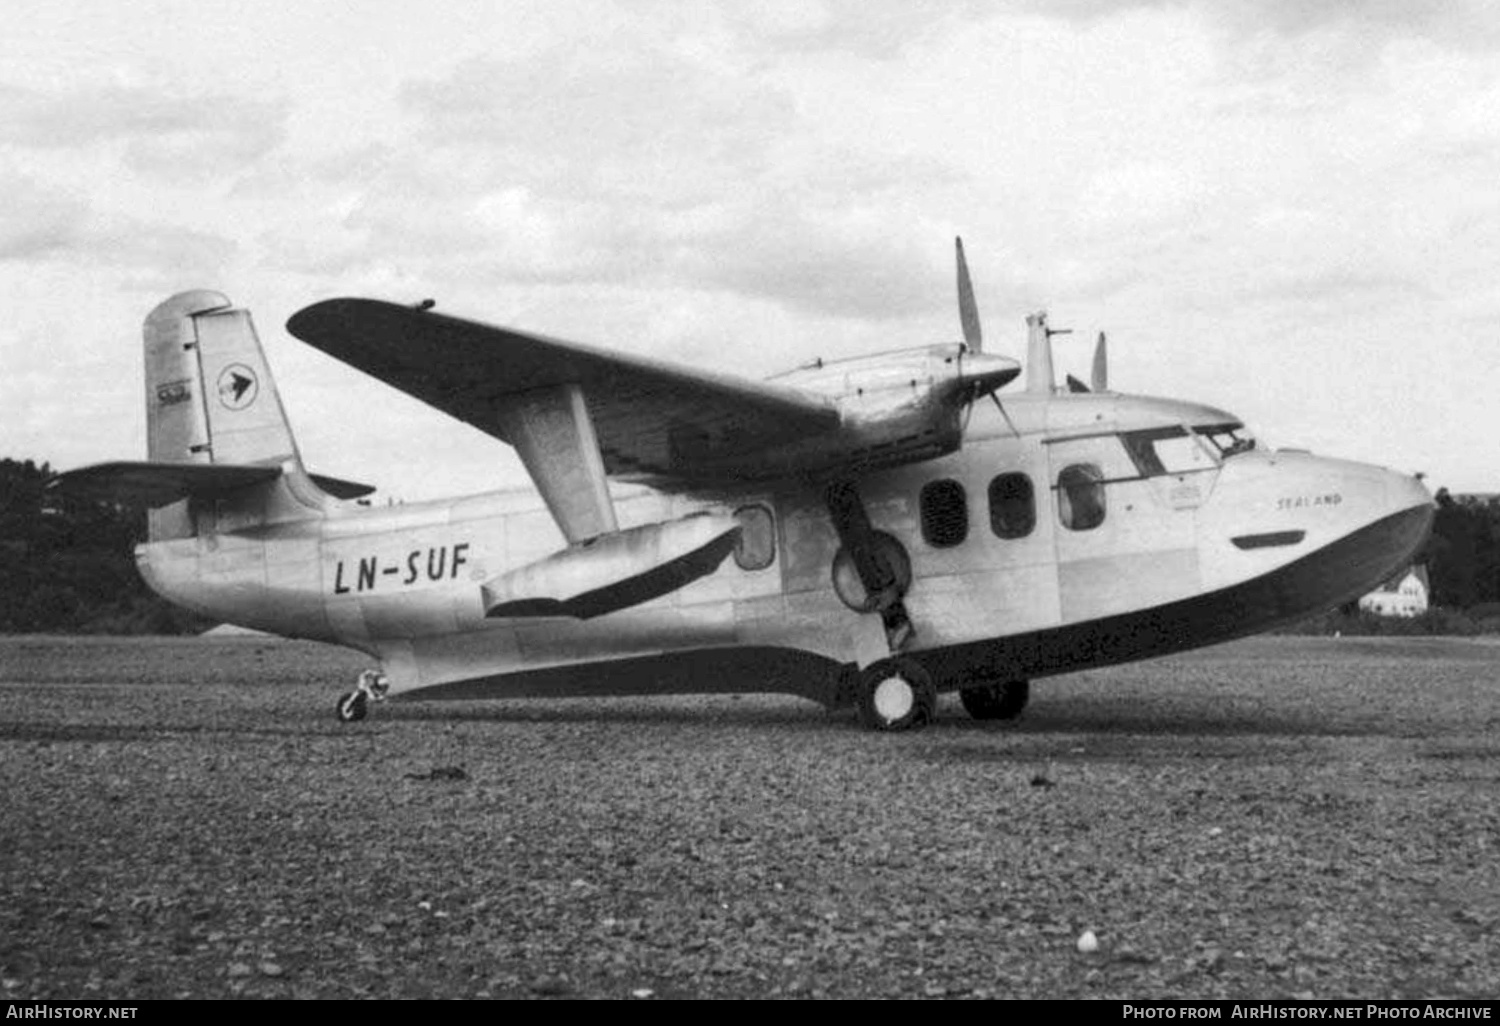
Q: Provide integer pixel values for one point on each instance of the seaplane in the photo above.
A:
(870, 532)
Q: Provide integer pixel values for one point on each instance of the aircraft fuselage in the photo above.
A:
(1069, 530)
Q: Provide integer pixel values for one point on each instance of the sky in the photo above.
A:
(1287, 209)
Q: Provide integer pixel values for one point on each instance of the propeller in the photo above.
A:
(968, 310)
(981, 372)
(1039, 345)
(1099, 379)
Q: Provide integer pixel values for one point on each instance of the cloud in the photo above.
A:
(645, 168)
(871, 29)
(50, 225)
(161, 134)
(40, 222)
(1140, 194)
(1335, 287)
(159, 257)
(849, 257)
(643, 121)
(1458, 23)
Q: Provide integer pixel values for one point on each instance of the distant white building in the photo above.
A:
(1405, 594)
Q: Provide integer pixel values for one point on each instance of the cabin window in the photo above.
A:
(1012, 506)
(945, 514)
(1080, 496)
(756, 548)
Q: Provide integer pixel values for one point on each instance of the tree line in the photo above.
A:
(1463, 553)
(67, 565)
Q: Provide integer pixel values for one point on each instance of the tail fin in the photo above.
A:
(210, 397)
(220, 450)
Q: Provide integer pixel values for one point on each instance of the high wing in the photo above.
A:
(652, 419)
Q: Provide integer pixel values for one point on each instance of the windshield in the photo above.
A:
(1229, 439)
(1172, 450)
(1167, 450)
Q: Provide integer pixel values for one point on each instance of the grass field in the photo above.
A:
(1279, 817)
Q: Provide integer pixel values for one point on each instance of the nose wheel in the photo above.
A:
(896, 694)
(355, 706)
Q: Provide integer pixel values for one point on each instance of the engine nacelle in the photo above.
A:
(897, 407)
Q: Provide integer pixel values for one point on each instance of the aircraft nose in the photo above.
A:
(1385, 509)
(1403, 527)
(1327, 530)
(1405, 491)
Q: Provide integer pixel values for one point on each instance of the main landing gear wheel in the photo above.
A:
(355, 706)
(896, 694)
(1003, 701)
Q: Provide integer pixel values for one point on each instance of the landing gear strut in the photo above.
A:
(879, 563)
(355, 706)
(896, 694)
(1002, 701)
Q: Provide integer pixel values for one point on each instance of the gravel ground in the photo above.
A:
(1281, 817)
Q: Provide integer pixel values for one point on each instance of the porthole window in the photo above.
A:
(756, 548)
(1012, 506)
(1080, 496)
(945, 514)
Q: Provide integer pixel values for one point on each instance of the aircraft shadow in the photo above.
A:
(1075, 718)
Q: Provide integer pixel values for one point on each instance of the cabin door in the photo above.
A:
(1120, 548)
(1087, 479)
(1084, 477)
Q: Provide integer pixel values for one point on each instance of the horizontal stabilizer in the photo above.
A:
(155, 484)
(616, 570)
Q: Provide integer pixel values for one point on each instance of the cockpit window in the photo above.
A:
(1228, 439)
(1167, 450)
(1172, 450)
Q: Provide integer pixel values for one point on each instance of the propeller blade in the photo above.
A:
(1100, 376)
(968, 310)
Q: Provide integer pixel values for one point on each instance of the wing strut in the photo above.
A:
(883, 581)
(554, 436)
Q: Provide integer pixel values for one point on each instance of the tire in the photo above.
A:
(352, 707)
(1002, 701)
(896, 694)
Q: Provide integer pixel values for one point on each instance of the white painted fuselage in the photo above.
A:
(1142, 534)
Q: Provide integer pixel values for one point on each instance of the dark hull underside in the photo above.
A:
(1332, 575)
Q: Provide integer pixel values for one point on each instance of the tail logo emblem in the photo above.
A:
(238, 386)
